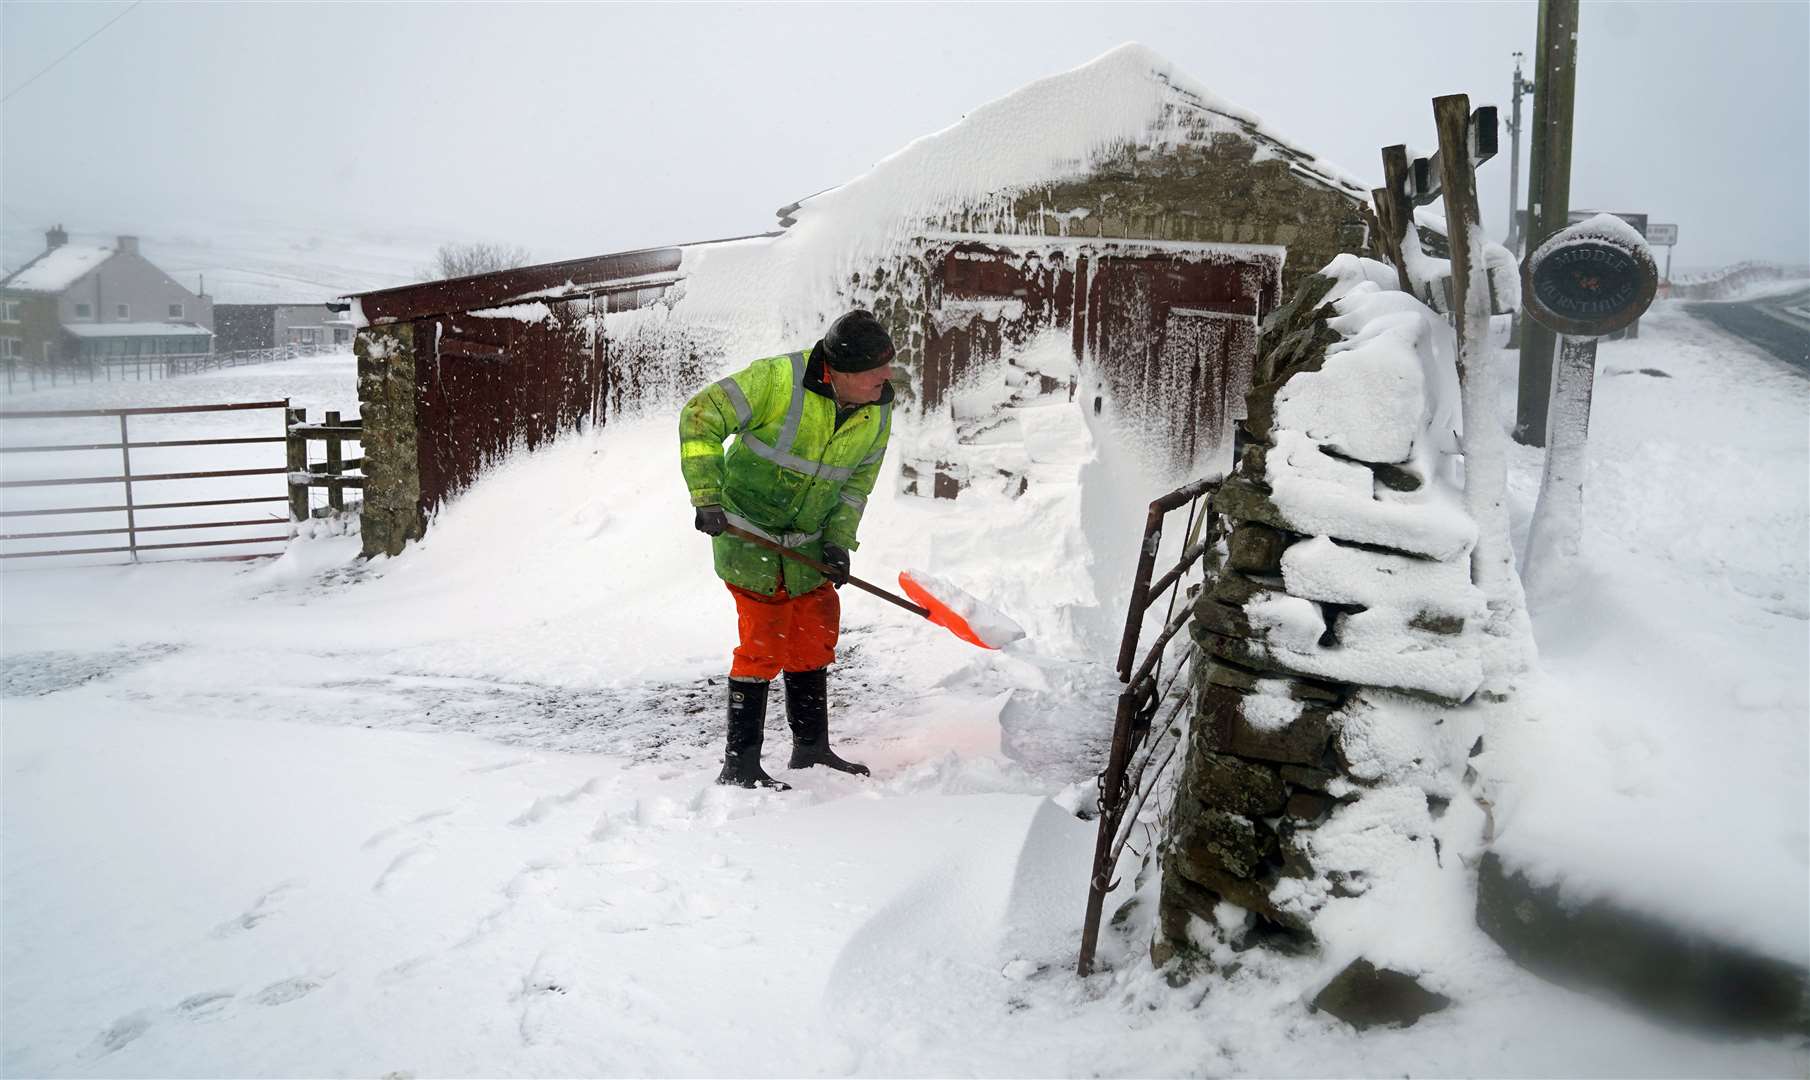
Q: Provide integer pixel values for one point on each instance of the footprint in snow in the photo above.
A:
(384, 834)
(546, 804)
(203, 1005)
(122, 1032)
(282, 993)
(387, 880)
(266, 906)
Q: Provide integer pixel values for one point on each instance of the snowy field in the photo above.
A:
(450, 814)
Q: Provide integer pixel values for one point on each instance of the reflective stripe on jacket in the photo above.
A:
(791, 474)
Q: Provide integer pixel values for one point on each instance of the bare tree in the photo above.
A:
(463, 260)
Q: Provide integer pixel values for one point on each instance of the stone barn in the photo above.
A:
(1122, 259)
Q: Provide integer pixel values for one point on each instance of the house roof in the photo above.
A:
(58, 268)
(136, 329)
(1054, 129)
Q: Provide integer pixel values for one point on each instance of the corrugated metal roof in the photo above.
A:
(58, 268)
(136, 329)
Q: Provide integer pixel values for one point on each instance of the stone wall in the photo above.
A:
(386, 393)
(1303, 715)
(1218, 189)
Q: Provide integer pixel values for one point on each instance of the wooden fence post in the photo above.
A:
(298, 463)
(1402, 230)
(336, 495)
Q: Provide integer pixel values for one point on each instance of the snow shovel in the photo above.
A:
(941, 603)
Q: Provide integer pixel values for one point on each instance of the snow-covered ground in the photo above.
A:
(451, 813)
(1676, 697)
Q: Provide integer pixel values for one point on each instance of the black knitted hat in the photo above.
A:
(857, 342)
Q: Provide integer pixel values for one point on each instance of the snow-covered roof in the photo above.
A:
(1053, 129)
(58, 268)
(136, 329)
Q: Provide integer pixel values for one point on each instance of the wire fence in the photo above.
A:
(26, 375)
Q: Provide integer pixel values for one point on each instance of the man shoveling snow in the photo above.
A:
(810, 431)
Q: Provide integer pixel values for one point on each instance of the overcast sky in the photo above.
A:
(580, 129)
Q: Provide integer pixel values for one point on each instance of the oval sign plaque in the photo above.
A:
(1587, 286)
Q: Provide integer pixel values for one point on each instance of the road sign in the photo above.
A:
(1639, 221)
(1583, 285)
(1662, 234)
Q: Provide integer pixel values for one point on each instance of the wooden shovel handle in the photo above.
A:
(826, 571)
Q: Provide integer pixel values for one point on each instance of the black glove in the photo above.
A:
(836, 558)
(711, 521)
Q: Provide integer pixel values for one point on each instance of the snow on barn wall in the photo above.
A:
(1118, 205)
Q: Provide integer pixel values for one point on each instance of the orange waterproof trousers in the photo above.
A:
(785, 633)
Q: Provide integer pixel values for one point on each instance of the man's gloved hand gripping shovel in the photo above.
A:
(937, 600)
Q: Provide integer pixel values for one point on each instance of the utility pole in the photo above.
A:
(1522, 88)
(1548, 197)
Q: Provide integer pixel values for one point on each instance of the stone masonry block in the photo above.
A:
(1241, 787)
(1241, 501)
(1256, 549)
(1227, 844)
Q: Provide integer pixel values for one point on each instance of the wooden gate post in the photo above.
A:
(125, 455)
(298, 463)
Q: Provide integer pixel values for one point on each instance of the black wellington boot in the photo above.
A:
(747, 721)
(808, 715)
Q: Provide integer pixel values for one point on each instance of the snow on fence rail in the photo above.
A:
(23, 375)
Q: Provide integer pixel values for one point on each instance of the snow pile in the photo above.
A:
(1362, 455)
(1666, 764)
(1602, 229)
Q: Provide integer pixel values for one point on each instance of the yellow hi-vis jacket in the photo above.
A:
(792, 474)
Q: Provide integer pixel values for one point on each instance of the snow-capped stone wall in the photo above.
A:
(1338, 631)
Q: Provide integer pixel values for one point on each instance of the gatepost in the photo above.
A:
(1588, 280)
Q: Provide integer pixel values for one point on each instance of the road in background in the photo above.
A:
(1778, 324)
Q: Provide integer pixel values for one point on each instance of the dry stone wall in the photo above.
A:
(391, 514)
(1336, 628)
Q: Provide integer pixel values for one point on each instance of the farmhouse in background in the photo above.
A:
(78, 305)
(266, 326)
(1110, 236)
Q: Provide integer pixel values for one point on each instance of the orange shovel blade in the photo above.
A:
(939, 612)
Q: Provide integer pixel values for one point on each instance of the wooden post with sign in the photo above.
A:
(1594, 278)
(1667, 235)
